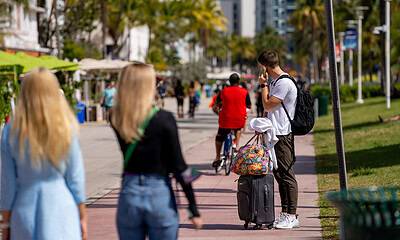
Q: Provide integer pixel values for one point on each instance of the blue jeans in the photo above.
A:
(147, 207)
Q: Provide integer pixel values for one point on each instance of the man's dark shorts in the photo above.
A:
(223, 133)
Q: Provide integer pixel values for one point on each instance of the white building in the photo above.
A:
(20, 28)
(275, 14)
(247, 17)
(241, 15)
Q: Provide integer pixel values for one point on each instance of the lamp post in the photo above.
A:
(341, 35)
(387, 53)
(386, 29)
(360, 16)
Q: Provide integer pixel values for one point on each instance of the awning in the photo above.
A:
(104, 65)
(29, 62)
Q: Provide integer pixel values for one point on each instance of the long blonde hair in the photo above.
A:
(134, 99)
(43, 118)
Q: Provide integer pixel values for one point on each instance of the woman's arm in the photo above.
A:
(83, 220)
(178, 166)
(8, 183)
(75, 180)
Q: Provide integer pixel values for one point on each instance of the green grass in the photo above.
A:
(372, 153)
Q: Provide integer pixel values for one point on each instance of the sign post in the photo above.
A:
(350, 43)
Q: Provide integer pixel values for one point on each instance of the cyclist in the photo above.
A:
(231, 104)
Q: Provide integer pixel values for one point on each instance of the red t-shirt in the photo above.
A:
(233, 113)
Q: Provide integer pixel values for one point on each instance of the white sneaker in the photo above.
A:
(280, 219)
(289, 221)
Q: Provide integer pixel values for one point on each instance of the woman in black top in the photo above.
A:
(146, 205)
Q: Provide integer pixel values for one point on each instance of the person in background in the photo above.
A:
(108, 99)
(231, 105)
(149, 141)
(180, 97)
(42, 176)
(192, 99)
(259, 104)
(161, 91)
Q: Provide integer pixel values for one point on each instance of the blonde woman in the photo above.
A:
(149, 141)
(42, 177)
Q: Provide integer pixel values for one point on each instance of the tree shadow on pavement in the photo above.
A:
(350, 127)
(382, 156)
(215, 226)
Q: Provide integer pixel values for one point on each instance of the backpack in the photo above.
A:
(303, 120)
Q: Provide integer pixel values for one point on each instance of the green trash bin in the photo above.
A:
(323, 105)
(368, 213)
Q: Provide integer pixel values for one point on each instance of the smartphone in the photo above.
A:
(262, 72)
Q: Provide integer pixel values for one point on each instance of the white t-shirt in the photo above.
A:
(285, 90)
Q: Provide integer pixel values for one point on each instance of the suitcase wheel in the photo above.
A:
(246, 225)
(257, 227)
(270, 226)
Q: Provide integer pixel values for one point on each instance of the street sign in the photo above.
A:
(350, 38)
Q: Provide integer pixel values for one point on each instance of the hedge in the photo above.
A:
(347, 93)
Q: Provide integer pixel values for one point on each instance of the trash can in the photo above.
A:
(323, 105)
(368, 213)
(81, 112)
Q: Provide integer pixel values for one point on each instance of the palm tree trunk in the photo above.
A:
(314, 53)
(104, 26)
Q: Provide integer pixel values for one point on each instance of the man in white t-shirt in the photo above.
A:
(281, 90)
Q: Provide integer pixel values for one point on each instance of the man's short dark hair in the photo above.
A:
(269, 58)
(234, 78)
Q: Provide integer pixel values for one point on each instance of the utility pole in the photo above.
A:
(387, 54)
(337, 115)
(382, 18)
(341, 35)
(360, 17)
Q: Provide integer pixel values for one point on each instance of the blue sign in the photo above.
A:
(350, 39)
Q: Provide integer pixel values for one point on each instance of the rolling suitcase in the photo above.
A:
(255, 198)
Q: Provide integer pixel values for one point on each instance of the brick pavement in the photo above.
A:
(216, 194)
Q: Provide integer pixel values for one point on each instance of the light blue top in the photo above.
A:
(42, 200)
(109, 96)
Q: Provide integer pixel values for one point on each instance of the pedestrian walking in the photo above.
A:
(192, 99)
(42, 176)
(278, 98)
(180, 97)
(107, 101)
(149, 141)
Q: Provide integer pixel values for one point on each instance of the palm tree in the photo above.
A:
(308, 21)
(270, 39)
(206, 18)
(242, 49)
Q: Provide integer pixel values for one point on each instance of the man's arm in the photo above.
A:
(269, 103)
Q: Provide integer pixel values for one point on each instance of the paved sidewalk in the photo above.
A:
(216, 194)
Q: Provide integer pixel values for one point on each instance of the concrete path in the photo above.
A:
(216, 194)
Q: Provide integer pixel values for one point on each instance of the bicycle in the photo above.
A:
(227, 153)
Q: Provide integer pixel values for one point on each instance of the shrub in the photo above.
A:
(347, 93)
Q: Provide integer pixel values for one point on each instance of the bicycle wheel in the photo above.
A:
(228, 157)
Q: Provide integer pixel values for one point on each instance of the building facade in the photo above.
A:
(19, 27)
(247, 17)
(241, 15)
(275, 14)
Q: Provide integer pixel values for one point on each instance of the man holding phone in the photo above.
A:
(281, 93)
